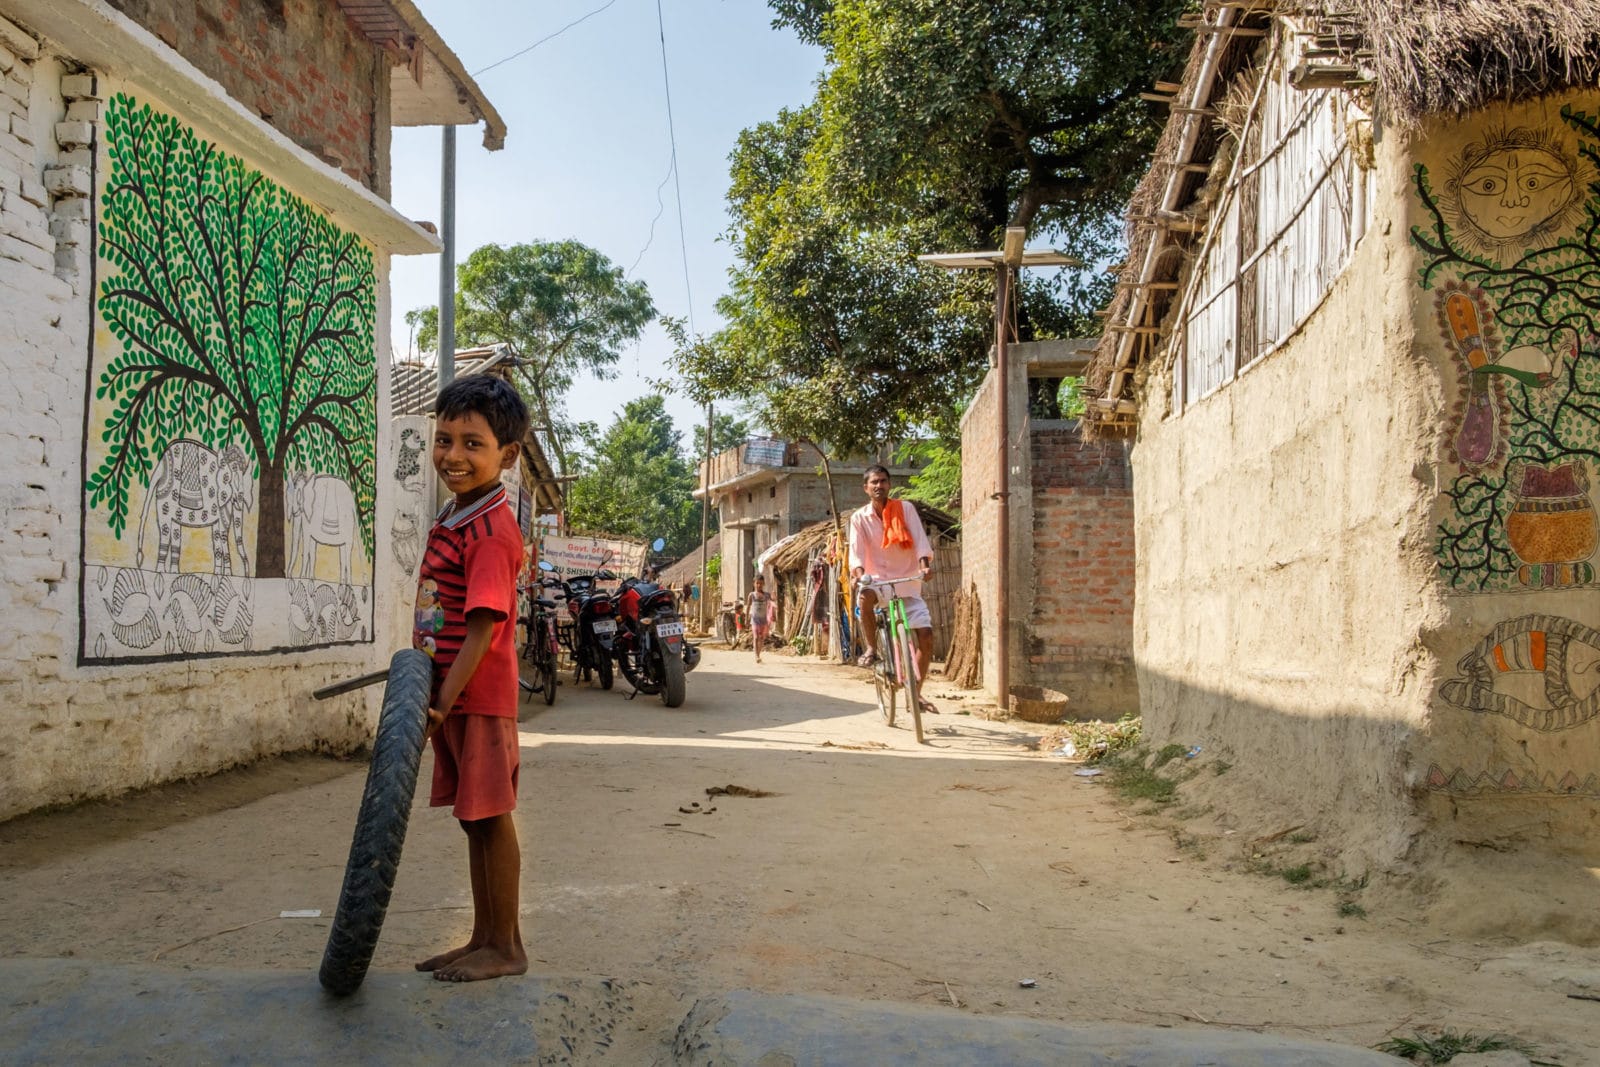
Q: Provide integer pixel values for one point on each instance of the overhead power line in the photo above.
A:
(677, 184)
(546, 38)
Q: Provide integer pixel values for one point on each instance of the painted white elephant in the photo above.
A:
(192, 486)
(322, 511)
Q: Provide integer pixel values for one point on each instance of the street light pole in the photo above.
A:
(1005, 262)
(447, 258)
(705, 518)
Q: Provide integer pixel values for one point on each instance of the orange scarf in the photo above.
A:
(894, 525)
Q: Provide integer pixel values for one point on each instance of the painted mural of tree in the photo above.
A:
(243, 315)
(1546, 297)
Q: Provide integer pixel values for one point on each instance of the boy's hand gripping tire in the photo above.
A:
(381, 825)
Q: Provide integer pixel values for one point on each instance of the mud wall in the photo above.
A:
(1283, 566)
(1503, 214)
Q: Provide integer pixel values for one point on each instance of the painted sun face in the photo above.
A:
(1515, 190)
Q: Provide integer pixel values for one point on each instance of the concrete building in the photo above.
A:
(194, 244)
(765, 490)
(1357, 339)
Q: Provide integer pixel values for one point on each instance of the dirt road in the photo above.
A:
(947, 874)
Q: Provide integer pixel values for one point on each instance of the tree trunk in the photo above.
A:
(269, 524)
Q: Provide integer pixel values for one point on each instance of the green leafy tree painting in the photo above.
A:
(244, 319)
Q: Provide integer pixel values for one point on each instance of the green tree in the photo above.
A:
(937, 124)
(634, 480)
(988, 112)
(244, 316)
(565, 307)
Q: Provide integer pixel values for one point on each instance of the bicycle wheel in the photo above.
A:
(547, 641)
(883, 674)
(381, 825)
(905, 643)
(883, 682)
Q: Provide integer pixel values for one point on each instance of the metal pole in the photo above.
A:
(705, 516)
(447, 259)
(1002, 293)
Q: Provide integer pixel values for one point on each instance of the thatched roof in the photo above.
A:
(797, 552)
(1452, 56)
(1407, 59)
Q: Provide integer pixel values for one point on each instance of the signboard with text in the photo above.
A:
(765, 453)
(585, 555)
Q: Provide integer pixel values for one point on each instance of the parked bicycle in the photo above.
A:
(896, 668)
(540, 648)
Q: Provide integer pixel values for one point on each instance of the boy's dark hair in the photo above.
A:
(876, 468)
(491, 397)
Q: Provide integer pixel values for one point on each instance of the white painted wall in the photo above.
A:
(69, 732)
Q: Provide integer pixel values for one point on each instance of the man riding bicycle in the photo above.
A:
(887, 541)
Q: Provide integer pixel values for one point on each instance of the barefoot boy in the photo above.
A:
(466, 612)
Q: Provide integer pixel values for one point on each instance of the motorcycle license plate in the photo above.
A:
(670, 629)
(605, 626)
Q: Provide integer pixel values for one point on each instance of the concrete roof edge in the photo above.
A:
(494, 127)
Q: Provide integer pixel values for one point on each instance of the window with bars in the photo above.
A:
(1293, 210)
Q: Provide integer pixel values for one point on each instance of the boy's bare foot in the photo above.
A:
(433, 963)
(481, 964)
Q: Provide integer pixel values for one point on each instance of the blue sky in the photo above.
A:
(587, 147)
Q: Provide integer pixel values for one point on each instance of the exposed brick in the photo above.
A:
(74, 134)
(80, 87)
(68, 181)
(310, 74)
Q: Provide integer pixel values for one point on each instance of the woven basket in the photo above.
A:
(1032, 703)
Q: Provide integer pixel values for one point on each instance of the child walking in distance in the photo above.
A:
(466, 615)
(760, 607)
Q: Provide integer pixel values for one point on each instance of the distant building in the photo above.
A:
(766, 489)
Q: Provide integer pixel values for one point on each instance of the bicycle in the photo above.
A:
(540, 649)
(896, 667)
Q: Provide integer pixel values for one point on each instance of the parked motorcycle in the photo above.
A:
(594, 625)
(650, 646)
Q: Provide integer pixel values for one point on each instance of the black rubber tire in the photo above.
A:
(381, 825)
(604, 670)
(913, 690)
(883, 683)
(640, 679)
(550, 682)
(673, 686)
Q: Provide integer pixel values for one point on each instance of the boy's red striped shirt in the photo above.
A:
(471, 562)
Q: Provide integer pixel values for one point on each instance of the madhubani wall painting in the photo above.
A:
(1508, 236)
(229, 469)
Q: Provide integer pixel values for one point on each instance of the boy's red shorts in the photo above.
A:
(475, 764)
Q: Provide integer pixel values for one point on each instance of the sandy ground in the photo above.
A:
(942, 874)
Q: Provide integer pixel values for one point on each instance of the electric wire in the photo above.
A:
(661, 207)
(547, 37)
(677, 184)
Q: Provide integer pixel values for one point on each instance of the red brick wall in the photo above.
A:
(299, 64)
(1080, 637)
(980, 525)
